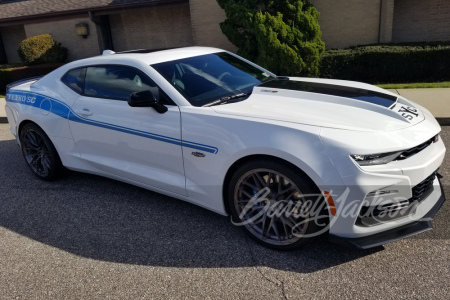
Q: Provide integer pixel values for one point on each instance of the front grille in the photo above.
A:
(413, 151)
(374, 215)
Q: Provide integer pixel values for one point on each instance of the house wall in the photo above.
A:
(386, 21)
(155, 27)
(63, 31)
(206, 16)
(347, 23)
(12, 36)
(418, 20)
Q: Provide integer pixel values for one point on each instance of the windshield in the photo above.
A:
(207, 78)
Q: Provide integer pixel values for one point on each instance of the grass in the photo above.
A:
(10, 66)
(425, 85)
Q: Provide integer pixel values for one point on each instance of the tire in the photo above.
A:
(279, 182)
(39, 153)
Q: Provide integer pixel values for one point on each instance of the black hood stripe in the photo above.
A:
(332, 90)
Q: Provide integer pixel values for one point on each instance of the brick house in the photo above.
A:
(347, 23)
(152, 24)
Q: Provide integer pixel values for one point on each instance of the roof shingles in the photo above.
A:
(23, 8)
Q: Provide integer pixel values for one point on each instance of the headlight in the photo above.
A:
(375, 159)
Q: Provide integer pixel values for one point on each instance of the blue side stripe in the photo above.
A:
(63, 110)
(76, 118)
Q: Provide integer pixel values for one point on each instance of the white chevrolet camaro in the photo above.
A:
(287, 158)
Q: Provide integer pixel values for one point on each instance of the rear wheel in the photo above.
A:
(39, 152)
(275, 204)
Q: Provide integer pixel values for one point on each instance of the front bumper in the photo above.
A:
(392, 235)
(397, 183)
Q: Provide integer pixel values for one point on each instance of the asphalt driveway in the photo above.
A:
(86, 237)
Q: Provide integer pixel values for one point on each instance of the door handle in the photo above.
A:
(84, 112)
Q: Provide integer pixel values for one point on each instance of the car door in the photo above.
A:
(135, 143)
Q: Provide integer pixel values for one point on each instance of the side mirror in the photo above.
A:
(146, 99)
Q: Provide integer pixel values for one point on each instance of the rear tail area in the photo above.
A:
(12, 99)
(29, 81)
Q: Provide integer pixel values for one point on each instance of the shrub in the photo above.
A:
(394, 63)
(10, 74)
(42, 49)
(282, 36)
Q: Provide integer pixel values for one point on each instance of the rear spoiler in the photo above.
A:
(19, 82)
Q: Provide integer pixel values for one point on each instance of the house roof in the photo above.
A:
(25, 9)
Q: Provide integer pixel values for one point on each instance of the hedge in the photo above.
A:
(8, 75)
(401, 63)
(42, 49)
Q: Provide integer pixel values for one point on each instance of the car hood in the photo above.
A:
(327, 103)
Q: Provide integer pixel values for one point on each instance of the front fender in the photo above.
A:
(239, 137)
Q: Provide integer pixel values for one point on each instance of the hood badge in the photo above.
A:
(198, 154)
(268, 91)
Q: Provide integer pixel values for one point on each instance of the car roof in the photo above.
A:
(152, 57)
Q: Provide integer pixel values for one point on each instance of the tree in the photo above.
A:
(281, 35)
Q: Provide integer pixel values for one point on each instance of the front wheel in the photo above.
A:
(276, 204)
(39, 152)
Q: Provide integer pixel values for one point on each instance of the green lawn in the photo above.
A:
(10, 66)
(430, 85)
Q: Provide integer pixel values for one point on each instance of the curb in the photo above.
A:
(443, 121)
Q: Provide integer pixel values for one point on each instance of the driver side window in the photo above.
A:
(118, 83)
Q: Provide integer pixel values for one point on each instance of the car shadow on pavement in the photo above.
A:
(106, 220)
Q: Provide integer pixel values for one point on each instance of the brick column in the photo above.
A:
(386, 21)
(206, 16)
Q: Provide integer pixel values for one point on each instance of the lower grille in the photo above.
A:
(374, 215)
(423, 189)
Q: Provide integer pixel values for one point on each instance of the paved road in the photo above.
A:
(85, 237)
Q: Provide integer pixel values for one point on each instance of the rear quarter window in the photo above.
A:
(74, 79)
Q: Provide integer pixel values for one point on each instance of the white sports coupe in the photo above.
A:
(287, 158)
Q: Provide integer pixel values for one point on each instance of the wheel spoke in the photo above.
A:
(271, 178)
(29, 146)
(287, 189)
(275, 229)
(287, 222)
(279, 185)
(254, 187)
(31, 142)
(46, 163)
(263, 230)
(284, 227)
(34, 157)
(31, 139)
(261, 183)
(246, 193)
(290, 195)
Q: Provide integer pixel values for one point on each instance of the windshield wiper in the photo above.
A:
(268, 79)
(226, 99)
